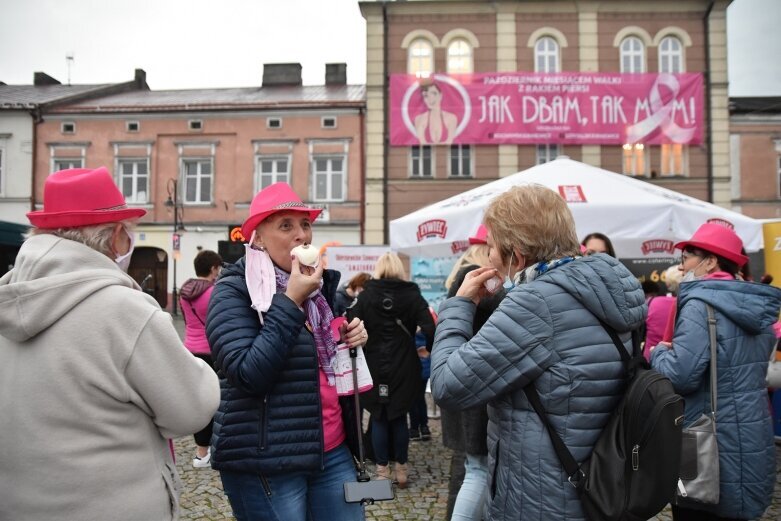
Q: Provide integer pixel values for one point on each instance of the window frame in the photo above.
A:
(77, 162)
(273, 118)
(544, 152)
(329, 157)
(644, 155)
(469, 57)
(420, 160)
(183, 179)
(68, 132)
(684, 152)
(412, 58)
(632, 54)
(132, 122)
(471, 161)
(275, 174)
(3, 156)
(668, 55)
(133, 198)
(547, 55)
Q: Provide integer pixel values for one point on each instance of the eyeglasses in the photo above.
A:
(686, 255)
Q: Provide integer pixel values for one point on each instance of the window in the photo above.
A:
(422, 161)
(329, 178)
(459, 57)
(634, 160)
(2, 168)
(632, 55)
(68, 127)
(132, 126)
(420, 58)
(546, 55)
(328, 122)
(196, 124)
(547, 153)
(674, 159)
(460, 161)
(66, 164)
(134, 180)
(273, 122)
(670, 55)
(272, 170)
(197, 174)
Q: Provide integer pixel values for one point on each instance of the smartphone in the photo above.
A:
(367, 492)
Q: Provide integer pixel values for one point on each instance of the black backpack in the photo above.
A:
(632, 473)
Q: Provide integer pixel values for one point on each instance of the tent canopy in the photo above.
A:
(642, 220)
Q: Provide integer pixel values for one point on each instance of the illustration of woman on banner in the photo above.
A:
(435, 126)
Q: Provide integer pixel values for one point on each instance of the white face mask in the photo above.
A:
(508, 281)
(123, 261)
(690, 276)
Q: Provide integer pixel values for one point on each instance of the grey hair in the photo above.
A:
(97, 237)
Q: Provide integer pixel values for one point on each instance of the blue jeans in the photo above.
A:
(296, 496)
(382, 431)
(471, 497)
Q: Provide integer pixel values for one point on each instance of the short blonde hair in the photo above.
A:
(534, 219)
(477, 255)
(389, 266)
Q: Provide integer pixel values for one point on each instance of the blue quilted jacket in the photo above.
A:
(744, 314)
(269, 419)
(544, 332)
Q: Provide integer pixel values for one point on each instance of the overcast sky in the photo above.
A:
(203, 43)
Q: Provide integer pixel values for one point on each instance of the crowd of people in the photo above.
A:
(96, 381)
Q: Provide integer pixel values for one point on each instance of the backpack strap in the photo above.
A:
(571, 467)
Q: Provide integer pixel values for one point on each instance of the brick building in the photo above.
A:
(453, 36)
(195, 158)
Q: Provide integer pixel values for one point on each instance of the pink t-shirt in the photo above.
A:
(195, 317)
(658, 313)
(333, 427)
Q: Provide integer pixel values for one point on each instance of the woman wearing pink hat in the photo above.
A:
(94, 376)
(279, 436)
(744, 313)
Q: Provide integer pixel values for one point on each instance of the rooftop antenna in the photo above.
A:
(69, 59)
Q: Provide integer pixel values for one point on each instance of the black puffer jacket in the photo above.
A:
(269, 420)
(390, 352)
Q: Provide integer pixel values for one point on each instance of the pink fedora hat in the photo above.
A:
(481, 236)
(81, 197)
(718, 240)
(274, 198)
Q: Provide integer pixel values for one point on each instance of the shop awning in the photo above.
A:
(12, 234)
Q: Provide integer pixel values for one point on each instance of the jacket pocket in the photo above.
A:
(173, 486)
(495, 470)
(263, 424)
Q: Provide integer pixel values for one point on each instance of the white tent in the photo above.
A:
(641, 219)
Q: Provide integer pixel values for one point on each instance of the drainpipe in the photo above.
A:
(386, 112)
(37, 120)
(362, 116)
(708, 106)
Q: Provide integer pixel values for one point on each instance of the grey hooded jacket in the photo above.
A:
(544, 332)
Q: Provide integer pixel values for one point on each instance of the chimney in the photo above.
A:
(41, 78)
(278, 74)
(140, 79)
(336, 74)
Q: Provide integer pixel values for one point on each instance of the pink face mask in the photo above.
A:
(259, 276)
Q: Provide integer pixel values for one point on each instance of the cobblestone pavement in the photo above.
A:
(424, 499)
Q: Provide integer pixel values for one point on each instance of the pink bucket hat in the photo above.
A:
(272, 199)
(81, 197)
(718, 240)
(481, 236)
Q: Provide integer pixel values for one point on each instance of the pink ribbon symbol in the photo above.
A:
(661, 115)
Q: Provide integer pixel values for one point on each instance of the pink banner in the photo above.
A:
(531, 108)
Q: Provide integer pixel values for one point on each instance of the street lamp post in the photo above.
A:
(173, 202)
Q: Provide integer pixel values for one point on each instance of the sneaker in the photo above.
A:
(425, 433)
(414, 435)
(401, 474)
(204, 462)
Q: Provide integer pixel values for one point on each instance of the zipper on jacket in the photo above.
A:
(320, 409)
(263, 424)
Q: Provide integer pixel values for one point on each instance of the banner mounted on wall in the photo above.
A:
(535, 108)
